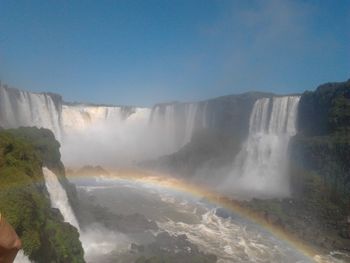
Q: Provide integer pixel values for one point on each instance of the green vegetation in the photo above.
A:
(44, 143)
(24, 199)
(323, 144)
(326, 110)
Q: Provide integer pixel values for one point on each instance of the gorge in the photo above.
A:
(282, 156)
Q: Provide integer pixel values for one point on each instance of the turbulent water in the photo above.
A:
(231, 238)
(261, 165)
(96, 239)
(132, 134)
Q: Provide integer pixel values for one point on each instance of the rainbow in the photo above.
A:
(179, 185)
(182, 186)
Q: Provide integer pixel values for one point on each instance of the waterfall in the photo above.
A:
(120, 129)
(170, 126)
(58, 197)
(80, 117)
(21, 258)
(162, 122)
(21, 108)
(190, 121)
(204, 116)
(260, 167)
(96, 240)
(174, 124)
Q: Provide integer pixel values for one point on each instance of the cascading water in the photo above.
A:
(260, 167)
(21, 258)
(81, 117)
(204, 116)
(160, 131)
(190, 121)
(162, 122)
(176, 125)
(21, 108)
(58, 197)
(96, 240)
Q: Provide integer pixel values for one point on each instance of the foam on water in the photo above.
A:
(229, 241)
(98, 242)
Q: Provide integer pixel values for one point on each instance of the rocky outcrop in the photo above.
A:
(24, 199)
(320, 167)
(325, 110)
(322, 144)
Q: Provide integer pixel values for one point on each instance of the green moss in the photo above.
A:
(24, 199)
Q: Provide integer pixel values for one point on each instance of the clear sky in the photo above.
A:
(143, 52)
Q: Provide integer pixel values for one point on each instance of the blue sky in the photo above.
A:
(143, 52)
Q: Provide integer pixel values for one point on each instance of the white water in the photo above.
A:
(21, 108)
(81, 117)
(192, 110)
(106, 130)
(231, 242)
(231, 239)
(58, 197)
(128, 133)
(21, 258)
(260, 167)
(166, 122)
(96, 240)
(174, 129)
(140, 134)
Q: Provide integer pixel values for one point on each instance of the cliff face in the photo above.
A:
(220, 127)
(320, 162)
(323, 141)
(326, 110)
(24, 199)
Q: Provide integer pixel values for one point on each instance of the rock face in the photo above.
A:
(228, 115)
(322, 144)
(320, 163)
(325, 110)
(227, 123)
(24, 200)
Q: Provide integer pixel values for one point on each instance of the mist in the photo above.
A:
(175, 131)
(98, 242)
(103, 136)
